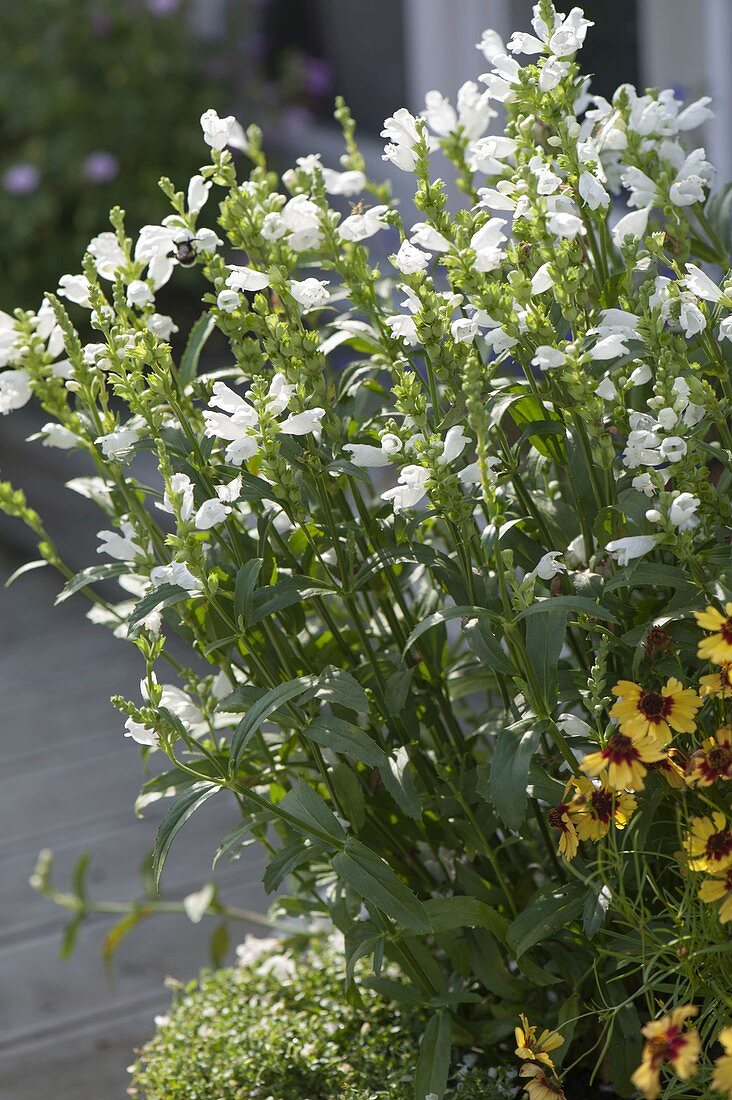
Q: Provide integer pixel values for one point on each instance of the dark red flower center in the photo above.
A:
(719, 759)
(719, 845)
(728, 881)
(726, 631)
(654, 706)
(602, 804)
(666, 1047)
(620, 748)
(556, 816)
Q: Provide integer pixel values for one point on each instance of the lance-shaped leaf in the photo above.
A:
(345, 738)
(374, 880)
(515, 747)
(185, 804)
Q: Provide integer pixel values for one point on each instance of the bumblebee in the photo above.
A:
(184, 252)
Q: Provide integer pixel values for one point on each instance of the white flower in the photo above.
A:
(426, 236)
(487, 243)
(310, 293)
(246, 278)
(696, 114)
(175, 573)
(403, 327)
(673, 448)
(643, 483)
(182, 486)
(634, 546)
(547, 358)
(725, 328)
(108, 254)
(633, 224)
(75, 288)
(141, 734)
(362, 454)
(682, 513)
(120, 546)
(606, 389)
(55, 435)
(609, 347)
(220, 132)
(700, 284)
(139, 294)
(691, 319)
(642, 188)
(162, 325)
(279, 394)
(687, 191)
(667, 419)
(491, 45)
(211, 513)
(640, 375)
(343, 183)
(570, 34)
(402, 133)
(198, 190)
(592, 192)
(301, 217)
(156, 247)
(489, 154)
(564, 225)
(359, 227)
(227, 301)
(553, 71)
(454, 445)
(15, 390)
(410, 260)
(117, 444)
(274, 226)
(464, 329)
(391, 443)
(410, 489)
(439, 114)
(549, 566)
(529, 44)
(542, 279)
(303, 423)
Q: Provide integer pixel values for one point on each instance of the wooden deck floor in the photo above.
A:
(67, 782)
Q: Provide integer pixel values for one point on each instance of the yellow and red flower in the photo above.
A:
(597, 806)
(672, 772)
(539, 1086)
(528, 1046)
(641, 712)
(717, 646)
(667, 1044)
(722, 1079)
(713, 761)
(625, 758)
(719, 888)
(718, 684)
(708, 843)
(560, 817)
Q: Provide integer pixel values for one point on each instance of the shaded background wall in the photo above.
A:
(69, 777)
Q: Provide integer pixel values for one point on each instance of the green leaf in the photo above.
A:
(347, 739)
(482, 640)
(312, 814)
(92, 575)
(545, 636)
(397, 691)
(185, 805)
(261, 710)
(568, 603)
(447, 914)
(199, 334)
(597, 903)
(246, 582)
(349, 790)
(276, 597)
(398, 776)
(433, 1062)
(374, 880)
(165, 595)
(550, 912)
(339, 688)
(297, 851)
(515, 747)
(440, 617)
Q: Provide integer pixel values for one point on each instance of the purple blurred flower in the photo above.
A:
(100, 167)
(21, 178)
(318, 76)
(100, 26)
(163, 7)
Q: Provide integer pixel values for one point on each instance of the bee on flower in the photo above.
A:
(713, 761)
(717, 684)
(717, 646)
(667, 1044)
(708, 843)
(529, 1047)
(719, 888)
(560, 817)
(640, 711)
(722, 1079)
(598, 805)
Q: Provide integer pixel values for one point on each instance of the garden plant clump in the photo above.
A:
(448, 539)
(278, 1025)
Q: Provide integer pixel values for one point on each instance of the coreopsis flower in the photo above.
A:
(713, 761)
(625, 758)
(719, 888)
(709, 843)
(667, 1044)
(561, 817)
(539, 1086)
(672, 772)
(722, 1078)
(717, 646)
(641, 712)
(531, 1047)
(597, 806)
(717, 684)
